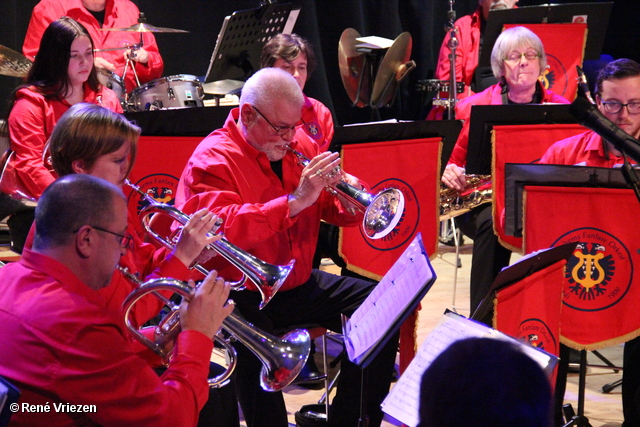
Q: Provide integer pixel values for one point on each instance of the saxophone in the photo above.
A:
(454, 202)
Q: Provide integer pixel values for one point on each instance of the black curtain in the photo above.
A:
(322, 22)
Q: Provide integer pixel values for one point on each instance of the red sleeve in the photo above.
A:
(28, 132)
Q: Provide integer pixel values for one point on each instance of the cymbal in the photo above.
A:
(395, 65)
(143, 27)
(222, 87)
(351, 64)
(13, 63)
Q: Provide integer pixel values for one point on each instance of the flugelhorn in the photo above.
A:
(382, 211)
(282, 358)
(267, 277)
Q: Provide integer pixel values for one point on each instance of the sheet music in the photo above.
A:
(403, 401)
(387, 302)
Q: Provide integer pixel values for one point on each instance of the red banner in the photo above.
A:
(529, 310)
(412, 166)
(564, 46)
(600, 286)
(159, 164)
(520, 144)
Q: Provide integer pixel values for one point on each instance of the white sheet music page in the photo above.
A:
(389, 299)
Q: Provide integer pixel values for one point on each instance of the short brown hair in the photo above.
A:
(288, 47)
(88, 131)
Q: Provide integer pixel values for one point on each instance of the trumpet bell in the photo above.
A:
(383, 213)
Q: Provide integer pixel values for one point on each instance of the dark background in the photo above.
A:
(322, 22)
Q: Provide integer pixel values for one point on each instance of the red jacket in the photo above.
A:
(118, 14)
(62, 346)
(31, 122)
(235, 181)
(491, 96)
(584, 149)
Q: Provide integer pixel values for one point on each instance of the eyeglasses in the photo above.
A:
(616, 107)
(280, 130)
(517, 56)
(125, 240)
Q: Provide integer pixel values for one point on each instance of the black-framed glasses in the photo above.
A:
(280, 130)
(616, 107)
(517, 56)
(125, 240)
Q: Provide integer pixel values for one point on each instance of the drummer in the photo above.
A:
(62, 76)
(96, 15)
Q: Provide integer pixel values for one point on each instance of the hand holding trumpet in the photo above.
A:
(195, 237)
(321, 172)
(207, 308)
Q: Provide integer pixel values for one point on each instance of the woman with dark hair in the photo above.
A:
(63, 74)
(293, 54)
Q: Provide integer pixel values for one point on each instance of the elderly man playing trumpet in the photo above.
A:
(272, 208)
(517, 60)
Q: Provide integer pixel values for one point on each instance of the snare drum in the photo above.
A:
(112, 81)
(179, 91)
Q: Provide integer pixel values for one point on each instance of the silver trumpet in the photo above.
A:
(282, 358)
(267, 277)
(382, 211)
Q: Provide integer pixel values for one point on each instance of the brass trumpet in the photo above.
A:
(282, 358)
(382, 211)
(267, 277)
(454, 202)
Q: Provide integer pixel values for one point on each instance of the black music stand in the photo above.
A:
(517, 175)
(241, 38)
(484, 117)
(448, 130)
(596, 16)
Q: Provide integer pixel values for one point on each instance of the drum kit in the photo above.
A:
(177, 91)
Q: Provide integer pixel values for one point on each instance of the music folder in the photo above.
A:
(518, 175)
(395, 297)
(403, 401)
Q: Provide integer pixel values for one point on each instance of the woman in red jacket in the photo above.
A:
(63, 74)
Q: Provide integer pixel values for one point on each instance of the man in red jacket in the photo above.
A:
(94, 15)
(65, 351)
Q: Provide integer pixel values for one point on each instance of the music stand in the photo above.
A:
(236, 55)
(517, 175)
(484, 117)
(596, 15)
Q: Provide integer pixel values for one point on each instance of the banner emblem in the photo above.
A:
(161, 187)
(535, 332)
(599, 273)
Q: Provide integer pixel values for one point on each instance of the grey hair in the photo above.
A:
(269, 85)
(514, 38)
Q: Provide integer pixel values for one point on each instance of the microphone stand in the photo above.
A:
(452, 44)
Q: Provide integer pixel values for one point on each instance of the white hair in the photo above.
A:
(269, 85)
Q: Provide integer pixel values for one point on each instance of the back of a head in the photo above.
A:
(485, 382)
(69, 203)
(86, 132)
(270, 85)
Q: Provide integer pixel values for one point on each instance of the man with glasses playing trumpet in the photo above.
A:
(272, 207)
(66, 351)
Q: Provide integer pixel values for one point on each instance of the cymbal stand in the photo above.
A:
(453, 45)
(133, 52)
